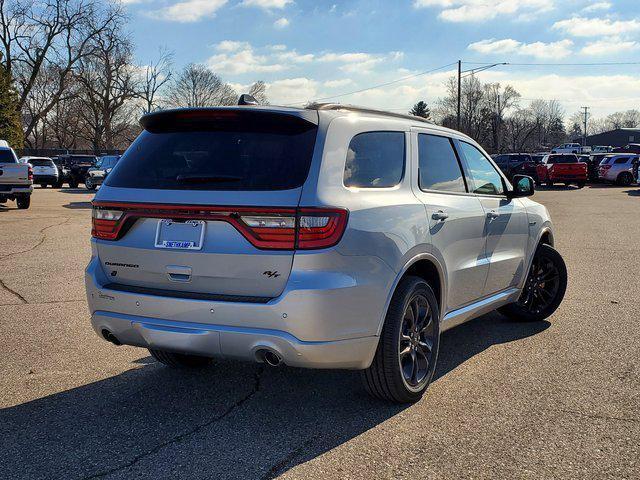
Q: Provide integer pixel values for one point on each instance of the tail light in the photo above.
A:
(264, 228)
(30, 173)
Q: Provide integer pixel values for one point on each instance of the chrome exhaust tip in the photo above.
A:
(271, 358)
(110, 337)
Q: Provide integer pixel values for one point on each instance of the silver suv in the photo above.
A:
(619, 169)
(326, 237)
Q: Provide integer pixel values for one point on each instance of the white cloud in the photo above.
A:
(281, 23)
(292, 90)
(338, 83)
(560, 49)
(596, 27)
(483, 10)
(596, 7)
(239, 58)
(231, 46)
(267, 4)
(189, 10)
(295, 57)
(609, 46)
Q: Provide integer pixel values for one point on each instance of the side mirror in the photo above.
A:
(523, 186)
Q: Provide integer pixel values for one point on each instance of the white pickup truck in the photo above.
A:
(16, 179)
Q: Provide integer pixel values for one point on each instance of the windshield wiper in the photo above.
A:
(196, 178)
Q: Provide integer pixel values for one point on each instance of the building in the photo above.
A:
(616, 138)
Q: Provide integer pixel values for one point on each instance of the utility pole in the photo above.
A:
(586, 116)
(459, 93)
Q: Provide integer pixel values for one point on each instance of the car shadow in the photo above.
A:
(232, 420)
(74, 191)
(77, 205)
(633, 193)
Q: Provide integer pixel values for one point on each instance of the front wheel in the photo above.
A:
(180, 360)
(544, 288)
(625, 179)
(405, 359)
(88, 183)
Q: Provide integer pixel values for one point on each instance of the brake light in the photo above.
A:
(106, 224)
(264, 228)
(30, 173)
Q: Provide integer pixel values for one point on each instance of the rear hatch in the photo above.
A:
(205, 202)
(12, 172)
(567, 166)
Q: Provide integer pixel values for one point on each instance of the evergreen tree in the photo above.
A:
(10, 121)
(421, 109)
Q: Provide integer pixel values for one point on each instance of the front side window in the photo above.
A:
(375, 160)
(439, 167)
(482, 177)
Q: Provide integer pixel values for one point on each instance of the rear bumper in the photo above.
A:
(327, 322)
(45, 178)
(7, 190)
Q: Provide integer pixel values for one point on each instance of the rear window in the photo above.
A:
(39, 162)
(242, 153)
(7, 156)
(563, 159)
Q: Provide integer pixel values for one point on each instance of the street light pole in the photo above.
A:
(459, 94)
(470, 72)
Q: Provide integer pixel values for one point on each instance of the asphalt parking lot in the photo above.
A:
(559, 399)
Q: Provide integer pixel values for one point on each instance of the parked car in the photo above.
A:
(96, 175)
(601, 149)
(629, 148)
(16, 179)
(516, 164)
(568, 148)
(593, 166)
(618, 169)
(312, 237)
(562, 168)
(74, 168)
(45, 171)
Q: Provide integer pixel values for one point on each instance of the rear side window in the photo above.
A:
(621, 160)
(375, 160)
(238, 152)
(439, 166)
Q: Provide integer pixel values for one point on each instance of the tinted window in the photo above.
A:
(39, 162)
(375, 160)
(482, 177)
(562, 159)
(621, 160)
(241, 154)
(7, 156)
(501, 159)
(439, 167)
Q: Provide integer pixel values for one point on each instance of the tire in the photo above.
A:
(23, 202)
(58, 184)
(549, 184)
(89, 184)
(625, 179)
(43, 185)
(180, 360)
(73, 183)
(527, 311)
(581, 184)
(386, 377)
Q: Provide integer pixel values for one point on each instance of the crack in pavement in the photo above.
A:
(42, 231)
(279, 467)
(48, 302)
(237, 404)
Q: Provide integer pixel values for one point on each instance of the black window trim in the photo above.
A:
(505, 184)
(457, 155)
(404, 160)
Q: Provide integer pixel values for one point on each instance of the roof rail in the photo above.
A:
(355, 108)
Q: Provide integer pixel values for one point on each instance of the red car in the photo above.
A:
(562, 168)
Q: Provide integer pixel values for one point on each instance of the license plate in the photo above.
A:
(187, 235)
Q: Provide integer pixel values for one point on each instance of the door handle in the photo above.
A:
(492, 215)
(440, 215)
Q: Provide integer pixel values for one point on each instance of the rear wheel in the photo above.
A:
(23, 202)
(73, 183)
(625, 179)
(180, 360)
(544, 288)
(405, 360)
(89, 184)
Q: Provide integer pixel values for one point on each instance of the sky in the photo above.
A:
(310, 50)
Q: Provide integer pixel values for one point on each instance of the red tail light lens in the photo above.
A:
(30, 173)
(105, 223)
(264, 228)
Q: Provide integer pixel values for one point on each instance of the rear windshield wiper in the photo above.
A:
(195, 178)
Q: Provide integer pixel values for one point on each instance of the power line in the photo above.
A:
(380, 85)
(593, 64)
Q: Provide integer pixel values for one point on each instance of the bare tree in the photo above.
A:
(197, 86)
(107, 80)
(156, 75)
(49, 34)
(259, 91)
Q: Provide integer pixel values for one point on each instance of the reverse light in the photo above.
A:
(105, 223)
